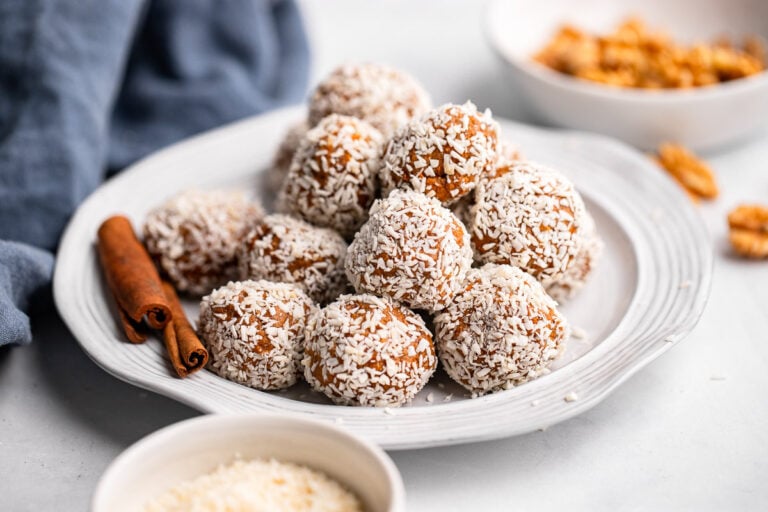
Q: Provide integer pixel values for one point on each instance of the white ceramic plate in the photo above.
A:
(646, 294)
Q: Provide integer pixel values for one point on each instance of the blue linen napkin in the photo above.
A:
(91, 85)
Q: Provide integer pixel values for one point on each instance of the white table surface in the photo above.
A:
(689, 432)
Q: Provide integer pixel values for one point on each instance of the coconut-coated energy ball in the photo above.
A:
(281, 162)
(254, 332)
(442, 154)
(531, 217)
(194, 237)
(285, 249)
(577, 274)
(367, 350)
(332, 179)
(384, 97)
(500, 330)
(411, 249)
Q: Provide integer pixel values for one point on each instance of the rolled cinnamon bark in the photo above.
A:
(132, 278)
(185, 350)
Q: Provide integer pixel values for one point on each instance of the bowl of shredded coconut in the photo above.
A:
(249, 463)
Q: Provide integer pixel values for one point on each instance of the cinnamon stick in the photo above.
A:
(185, 350)
(132, 278)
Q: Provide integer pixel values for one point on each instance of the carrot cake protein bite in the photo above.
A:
(195, 235)
(254, 332)
(443, 153)
(332, 180)
(501, 329)
(383, 96)
(531, 217)
(284, 155)
(366, 350)
(411, 249)
(576, 275)
(284, 249)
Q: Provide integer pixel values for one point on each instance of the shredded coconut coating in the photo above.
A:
(500, 331)
(254, 332)
(284, 249)
(332, 179)
(531, 217)
(195, 235)
(411, 249)
(508, 153)
(370, 351)
(508, 156)
(281, 162)
(384, 97)
(577, 274)
(442, 154)
(257, 485)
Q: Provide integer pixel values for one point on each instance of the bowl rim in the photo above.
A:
(554, 78)
(161, 437)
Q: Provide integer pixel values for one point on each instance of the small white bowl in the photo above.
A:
(701, 118)
(191, 448)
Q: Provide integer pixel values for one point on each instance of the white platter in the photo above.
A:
(647, 293)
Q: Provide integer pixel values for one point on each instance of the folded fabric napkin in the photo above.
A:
(89, 86)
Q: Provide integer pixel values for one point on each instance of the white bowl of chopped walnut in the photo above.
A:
(644, 71)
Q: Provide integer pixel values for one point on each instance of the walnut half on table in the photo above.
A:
(749, 231)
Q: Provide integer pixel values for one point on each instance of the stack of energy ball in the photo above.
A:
(391, 212)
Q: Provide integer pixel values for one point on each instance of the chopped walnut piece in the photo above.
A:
(636, 56)
(693, 174)
(749, 230)
(755, 46)
(751, 217)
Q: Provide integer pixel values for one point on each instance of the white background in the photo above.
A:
(689, 432)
